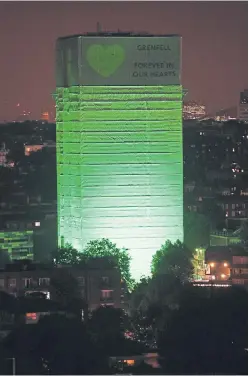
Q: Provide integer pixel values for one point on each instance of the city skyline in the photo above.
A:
(214, 46)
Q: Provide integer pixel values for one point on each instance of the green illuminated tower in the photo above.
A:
(119, 142)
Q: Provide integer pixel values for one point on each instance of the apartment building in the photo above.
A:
(98, 283)
(227, 264)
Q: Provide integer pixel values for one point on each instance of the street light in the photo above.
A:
(13, 365)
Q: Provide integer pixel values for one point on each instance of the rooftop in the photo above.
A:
(107, 263)
(117, 34)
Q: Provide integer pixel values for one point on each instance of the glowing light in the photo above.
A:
(119, 168)
(32, 316)
(211, 285)
(223, 276)
(225, 264)
(212, 264)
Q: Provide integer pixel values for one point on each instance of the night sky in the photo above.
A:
(215, 46)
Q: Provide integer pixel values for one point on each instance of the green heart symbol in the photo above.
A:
(105, 60)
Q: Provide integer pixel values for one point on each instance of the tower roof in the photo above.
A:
(118, 34)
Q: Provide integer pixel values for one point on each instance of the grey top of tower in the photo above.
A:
(118, 59)
(118, 34)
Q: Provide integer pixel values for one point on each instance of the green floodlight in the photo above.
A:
(119, 161)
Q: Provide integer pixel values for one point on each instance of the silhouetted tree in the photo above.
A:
(66, 256)
(55, 345)
(196, 230)
(173, 259)
(203, 336)
(66, 291)
(105, 248)
(152, 301)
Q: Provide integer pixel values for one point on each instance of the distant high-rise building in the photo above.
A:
(119, 142)
(243, 106)
(18, 244)
(244, 97)
(3, 155)
(193, 110)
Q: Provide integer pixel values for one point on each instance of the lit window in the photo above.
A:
(37, 224)
(130, 362)
(236, 271)
(244, 271)
(31, 316)
(240, 259)
(105, 294)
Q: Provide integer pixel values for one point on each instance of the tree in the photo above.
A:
(152, 301)
(55, 345)
(67, 348)
(139, 295)
(173, 259)
(96, 249)
(26, 359)
(8, 303)
(107, 325)
(105, 248)
(203, 334)
(66, 256)
(196, 230)
(243, 232)
(67, 292)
